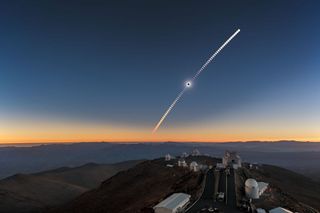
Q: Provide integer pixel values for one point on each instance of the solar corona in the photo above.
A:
(188, 84)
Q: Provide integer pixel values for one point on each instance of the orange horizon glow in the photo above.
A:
(105, 134)
(145, 137)
(141, 138)
(130, 141)
(54, 130)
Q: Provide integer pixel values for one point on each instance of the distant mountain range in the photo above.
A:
(302, 157)
(33, 192)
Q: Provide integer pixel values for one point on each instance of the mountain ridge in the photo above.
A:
(32, 192)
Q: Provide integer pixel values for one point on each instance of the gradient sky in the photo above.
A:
(107, 70)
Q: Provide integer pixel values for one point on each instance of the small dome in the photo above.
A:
(251, 183)
(193, 163)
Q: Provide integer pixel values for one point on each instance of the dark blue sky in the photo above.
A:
(123, 62)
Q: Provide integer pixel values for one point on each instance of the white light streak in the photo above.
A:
(168, 110)
(215, 54)
(194, 78)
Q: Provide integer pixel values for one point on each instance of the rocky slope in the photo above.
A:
(137, 189)
(33, 192)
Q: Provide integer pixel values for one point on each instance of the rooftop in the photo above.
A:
(173, 201)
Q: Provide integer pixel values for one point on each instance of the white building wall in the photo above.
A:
(182, 163)
(259, 210)
(168, 157)
(162, 210)
(252, 192)
(220, 165)
(235, 166)
(262, 187)
(225, 161)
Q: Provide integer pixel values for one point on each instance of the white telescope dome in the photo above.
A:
(252, 183)
(252, 188)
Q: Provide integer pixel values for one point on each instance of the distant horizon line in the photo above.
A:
(130, 142)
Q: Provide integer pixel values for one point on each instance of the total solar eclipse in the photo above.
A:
(188, 84)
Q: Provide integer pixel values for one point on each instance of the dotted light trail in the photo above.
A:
(188, 84)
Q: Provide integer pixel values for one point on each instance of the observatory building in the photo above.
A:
(231, 159)
(194, 166)
(182, 163)
(168, 157)
(254, 189)
(173, 204)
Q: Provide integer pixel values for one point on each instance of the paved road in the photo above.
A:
(217, 182)
(207, 196)
(230, 193)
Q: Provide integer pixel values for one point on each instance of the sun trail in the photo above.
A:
(189, 83)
